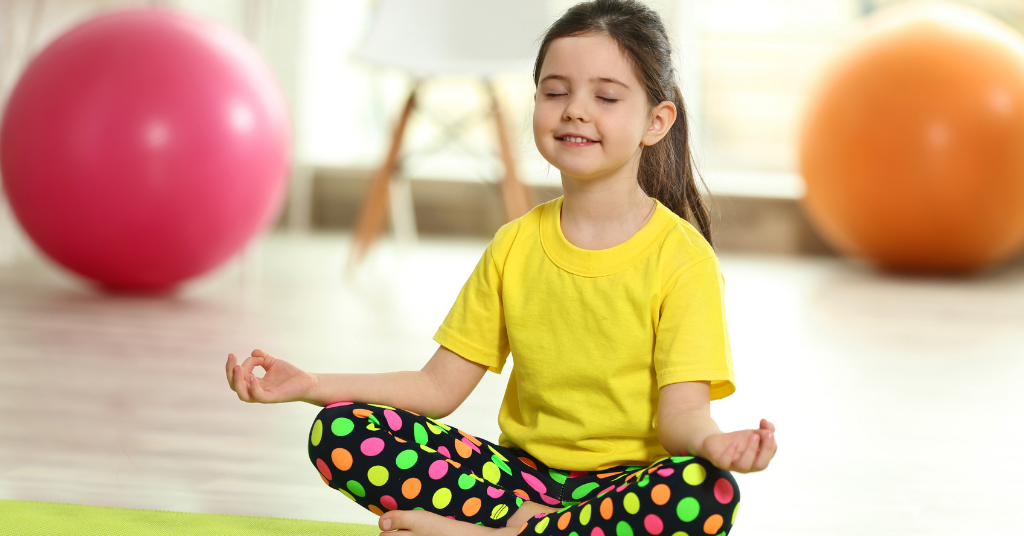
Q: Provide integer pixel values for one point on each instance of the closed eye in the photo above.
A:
(608, 100)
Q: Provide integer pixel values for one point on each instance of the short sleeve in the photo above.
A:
(475, 325)
(692, 338)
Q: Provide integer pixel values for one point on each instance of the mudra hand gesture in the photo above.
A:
(744, 451)
(283, 382)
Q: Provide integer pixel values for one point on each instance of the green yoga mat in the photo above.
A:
(30, 518)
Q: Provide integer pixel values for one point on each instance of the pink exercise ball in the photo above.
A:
(145, 147)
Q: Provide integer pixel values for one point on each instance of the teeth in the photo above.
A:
(577, 140)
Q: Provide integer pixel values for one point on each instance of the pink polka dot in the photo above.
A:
(549, 500)
(471, 445)
(444, 450)
(665, 472)
(574, 474)
(394, 421)
(372, 446)
(597, 532)
(437, 469)
(723, 491)
(494, 492)
(622, 487)
(540, 516)
(450, 517)
(606, 490)
(336, 404)
(324, 470)
(534, 483)
(388, 502)
(653, 524)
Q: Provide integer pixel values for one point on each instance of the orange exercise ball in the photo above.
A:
(912, 144)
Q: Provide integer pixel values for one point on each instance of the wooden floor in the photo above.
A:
(898, 401)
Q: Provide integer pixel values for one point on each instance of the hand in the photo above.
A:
(744, 451)
(283, 381)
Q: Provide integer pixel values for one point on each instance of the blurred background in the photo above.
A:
(895, 394)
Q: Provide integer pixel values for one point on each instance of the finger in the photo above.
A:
(765, 454)
(747, 460)
(249, 364)
(258, 394)
(258, 353)
(230, 368)
(767, 425)
(240, 386)
(724, 460)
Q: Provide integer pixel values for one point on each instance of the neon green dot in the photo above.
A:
(623, 529)
(585, 515)
(436, 430)
(734, 510)
(378, 475)
(347, 494)
(427, 449)
(374, 420)
(317, 434)
(419, 433)
(583, 490)
(466, 481)
(497, 461)
(687, 509)
(680, 533)
(406, 459)
(440, 424)
(380, 406)
(491, 472)
(573, 533)
(342, 427)
(356, 488)
(644, 480)
(441, 498)
(558, 476)
(632, 504)
(519, 501)
(541, 525)
(694, 474)
(681, 459)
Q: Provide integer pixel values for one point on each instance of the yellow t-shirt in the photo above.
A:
(594, 334)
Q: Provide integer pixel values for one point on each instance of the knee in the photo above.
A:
(337, 424)
(698, 478)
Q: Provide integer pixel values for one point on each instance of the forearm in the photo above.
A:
(415, 391)
(685, 431)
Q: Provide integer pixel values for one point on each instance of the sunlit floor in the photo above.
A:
(897, 400)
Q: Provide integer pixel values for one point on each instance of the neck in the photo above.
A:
(602, 213)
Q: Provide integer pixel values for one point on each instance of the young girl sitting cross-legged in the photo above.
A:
(611, 303)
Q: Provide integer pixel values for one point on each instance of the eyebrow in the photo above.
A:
(598, 79)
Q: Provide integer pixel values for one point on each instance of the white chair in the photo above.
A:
(431, 38)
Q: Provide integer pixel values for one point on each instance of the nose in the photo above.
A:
(575, 109)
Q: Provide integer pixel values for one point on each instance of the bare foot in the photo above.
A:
(423, 523)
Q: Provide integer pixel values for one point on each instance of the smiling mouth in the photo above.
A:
(575, 139)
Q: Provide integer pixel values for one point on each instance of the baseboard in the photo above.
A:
(457, 208)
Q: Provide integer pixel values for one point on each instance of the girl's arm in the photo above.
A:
(435, 391)
(685, 426)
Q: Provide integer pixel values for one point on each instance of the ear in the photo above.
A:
(662, 118)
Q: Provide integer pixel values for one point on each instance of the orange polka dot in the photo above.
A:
(660, 494)
(328, 482)
(521, 494)
(463, 449)
(471, 438)
(375, 510)
(362, 413)
(454, 463)
(523, 527)
(564, 520)
(605, 475)
(411, 488)
(529, 462)
(342, 459)
(606, 508)
(471, 506)
(653, 469)
(713, 523)
(400, 440)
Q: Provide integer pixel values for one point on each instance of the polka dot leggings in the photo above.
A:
(386, 458)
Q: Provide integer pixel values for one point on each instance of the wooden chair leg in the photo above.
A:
(516, 196)
(371, 216)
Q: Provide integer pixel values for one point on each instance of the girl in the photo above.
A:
(611, 302)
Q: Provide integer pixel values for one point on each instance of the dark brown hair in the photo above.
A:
(667, 170)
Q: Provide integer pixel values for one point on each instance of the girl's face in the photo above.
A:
(587, 89)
